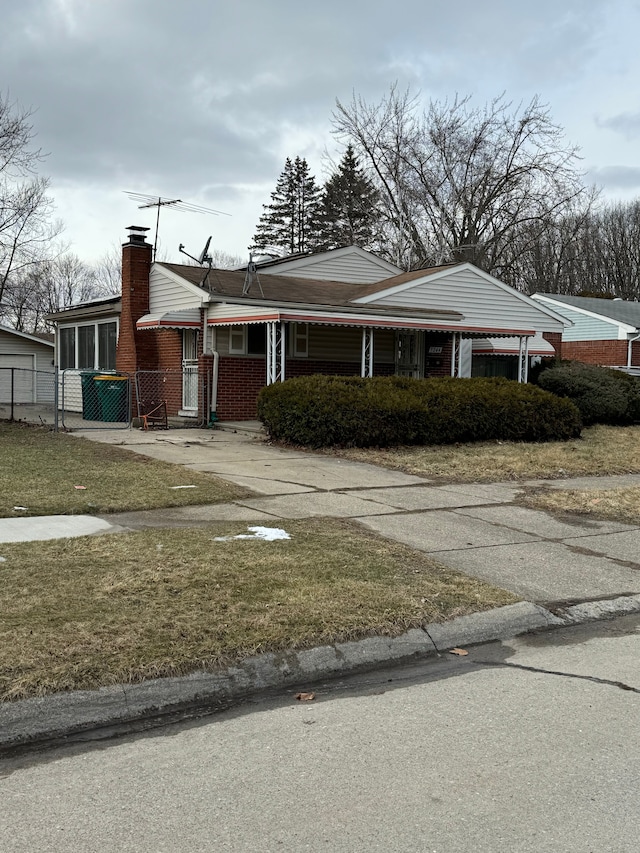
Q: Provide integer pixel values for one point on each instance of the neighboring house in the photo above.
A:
(230, 332)
(34, 356)
(603, 331)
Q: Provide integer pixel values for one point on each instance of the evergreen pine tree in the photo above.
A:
(348, 214)
(289, 223)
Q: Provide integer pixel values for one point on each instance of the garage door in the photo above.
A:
(23, 379)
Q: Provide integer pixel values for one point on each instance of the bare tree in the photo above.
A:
(458, 182)
(49, 286)
(27, 231)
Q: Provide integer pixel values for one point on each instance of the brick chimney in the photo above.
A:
(136, 350)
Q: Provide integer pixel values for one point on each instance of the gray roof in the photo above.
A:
(614, 309)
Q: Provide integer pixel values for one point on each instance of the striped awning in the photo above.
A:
(187, 318)
(511, 346)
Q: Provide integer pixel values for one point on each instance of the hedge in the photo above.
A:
(602, 394)
(324, 411)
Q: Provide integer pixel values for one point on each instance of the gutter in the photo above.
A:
(630, 343)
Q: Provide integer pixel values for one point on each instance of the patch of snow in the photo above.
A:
(268, 534)
(182, 487)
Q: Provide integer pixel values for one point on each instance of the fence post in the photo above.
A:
(56, 374)
(12, 384)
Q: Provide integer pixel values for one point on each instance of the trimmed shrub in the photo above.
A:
(324, 411)
(603, 395)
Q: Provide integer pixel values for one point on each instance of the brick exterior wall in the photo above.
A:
(555, 339)
(240, 381)
(135, 350)
(606, 353)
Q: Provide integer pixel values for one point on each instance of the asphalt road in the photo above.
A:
(529, 745)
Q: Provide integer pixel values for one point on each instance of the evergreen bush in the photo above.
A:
(603, 395)
(324, 411)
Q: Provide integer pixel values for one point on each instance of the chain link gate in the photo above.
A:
(93, 399)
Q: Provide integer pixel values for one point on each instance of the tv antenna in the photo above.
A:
(250, 275)
(145, 201)
(203, 258)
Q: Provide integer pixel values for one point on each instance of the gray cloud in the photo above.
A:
(626, 124)
(616, 177)
(195, 97)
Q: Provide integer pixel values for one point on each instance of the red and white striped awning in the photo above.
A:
(187, 318)
(511, 346)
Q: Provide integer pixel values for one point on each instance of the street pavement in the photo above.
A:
(522, 746)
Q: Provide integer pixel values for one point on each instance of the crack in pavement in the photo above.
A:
(593, 678)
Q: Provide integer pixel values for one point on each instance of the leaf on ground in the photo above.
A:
(305, 697)
(460, 652)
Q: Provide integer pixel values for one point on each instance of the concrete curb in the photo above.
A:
(100, 714)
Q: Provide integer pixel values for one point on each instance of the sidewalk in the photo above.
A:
(475, 528)
(568, 571)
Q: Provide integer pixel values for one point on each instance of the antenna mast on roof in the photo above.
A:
(175, 203)
(203, 258)
(250, 275)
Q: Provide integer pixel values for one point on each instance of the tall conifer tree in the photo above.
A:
(348, 215)
(289, 223)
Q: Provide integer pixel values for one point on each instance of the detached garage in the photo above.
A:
(33, 356)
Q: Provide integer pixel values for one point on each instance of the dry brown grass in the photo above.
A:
(80, 613)
(601, 450)
(614, 504)
(39, 470)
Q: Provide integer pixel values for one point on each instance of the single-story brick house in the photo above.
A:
(343, 312)
(602, 331)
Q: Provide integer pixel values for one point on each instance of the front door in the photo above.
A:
(409, 354)
(190, 370)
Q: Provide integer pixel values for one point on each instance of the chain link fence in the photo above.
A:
(89, 399)
(29, 396)
(172, 397)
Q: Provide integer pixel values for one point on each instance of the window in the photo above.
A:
(67, 348)
(107, 346)
(300, 340)
(237, 340)
(257, 339)
(90, 346)
(86, 347)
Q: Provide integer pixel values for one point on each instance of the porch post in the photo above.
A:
(366, 365)
(275, 352)
(523, 359)
(283, 350)
(455, 354)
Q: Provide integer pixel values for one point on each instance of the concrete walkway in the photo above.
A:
(476, 528)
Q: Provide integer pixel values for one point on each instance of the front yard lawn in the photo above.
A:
(613, 504)
(81, 613)
(601, 450)
(39, 470)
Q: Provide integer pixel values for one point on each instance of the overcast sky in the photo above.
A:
(203, 100)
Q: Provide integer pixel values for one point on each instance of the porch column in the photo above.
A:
(366, 367)
(455, 354)
(523, 359)
(275, 352)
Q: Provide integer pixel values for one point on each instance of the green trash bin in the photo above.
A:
(90, 401)
(113, 393)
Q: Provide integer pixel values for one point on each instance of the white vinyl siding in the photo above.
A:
(349, 264)
(482, 302)
(165, 294)
(14, 350)
(587, 328)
